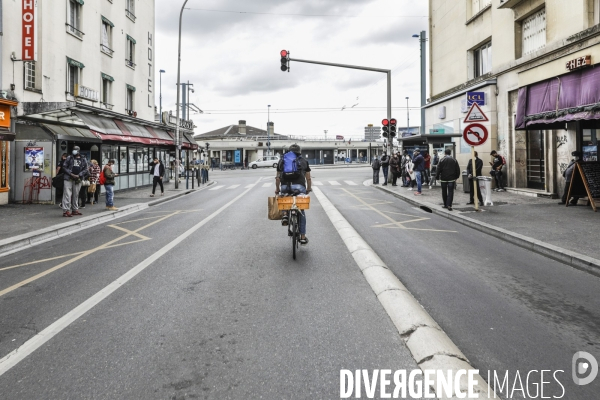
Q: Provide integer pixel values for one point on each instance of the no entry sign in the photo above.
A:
(475, 134)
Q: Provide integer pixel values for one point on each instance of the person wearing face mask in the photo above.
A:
(567, 175)
(75, 169)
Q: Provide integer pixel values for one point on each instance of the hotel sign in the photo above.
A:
(579, 63)
(29, 27)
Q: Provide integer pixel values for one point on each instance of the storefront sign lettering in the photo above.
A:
(4, 116)
(579, 63)
(29, 20)
(87, 93)
(475, 97)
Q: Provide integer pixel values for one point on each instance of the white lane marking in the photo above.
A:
(18, 355)
(217, 187)
(267, 184)
(232, 187)
(351, 183)
(249, 186)
(317, 183)
(334, 183)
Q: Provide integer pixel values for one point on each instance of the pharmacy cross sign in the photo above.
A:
(475, 134)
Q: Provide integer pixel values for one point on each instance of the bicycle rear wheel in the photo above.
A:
(294, 235)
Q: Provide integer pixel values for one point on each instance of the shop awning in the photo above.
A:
(102, 125)
(551, 103)
(161, 136)
(107, 21)
(187, 140)
(71, 133)
(6, 136)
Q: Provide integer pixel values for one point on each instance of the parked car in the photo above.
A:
(266, 161)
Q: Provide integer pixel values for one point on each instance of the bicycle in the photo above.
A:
(294, 208)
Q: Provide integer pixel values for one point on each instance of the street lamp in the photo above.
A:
(162, 71)
(407, 118)
(177, 137)
(422, 39)
(268, 130)
(325, 134)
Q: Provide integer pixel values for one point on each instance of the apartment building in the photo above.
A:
(532, 65)
(83, 74)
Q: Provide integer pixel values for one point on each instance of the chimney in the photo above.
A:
(271, 128)
(242, 127)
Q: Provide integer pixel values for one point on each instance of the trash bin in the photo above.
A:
(466, 185)
(485, 186)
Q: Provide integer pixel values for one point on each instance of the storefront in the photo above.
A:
(7, 135)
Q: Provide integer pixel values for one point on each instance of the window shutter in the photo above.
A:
(75, 63)
(107, 21)
(107, 77)
(132, 40)
(132, 88)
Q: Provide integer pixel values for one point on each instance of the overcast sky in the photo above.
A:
(230, 52)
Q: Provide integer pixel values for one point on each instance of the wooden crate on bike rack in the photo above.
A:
(285, 203)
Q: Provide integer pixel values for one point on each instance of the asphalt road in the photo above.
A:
(225, 313)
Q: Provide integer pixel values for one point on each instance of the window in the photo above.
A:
(597, 12)
(74, 18)
(130, 52)
(130, 10)
(534, 32)
(73, 76)
(482, 60)
(106, 37)
(29, 75)
(479, 5)
(130, 101)
(106, 93)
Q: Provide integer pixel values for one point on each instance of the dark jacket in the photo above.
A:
(478, 165)
(109, 175)
(395, 164)
(161, 169)
(419, 162)
(376, 164)
(447, 169)
(569, 171)
(385, 160)
(70, 162)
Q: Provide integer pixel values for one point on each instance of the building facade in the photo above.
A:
(530, 64)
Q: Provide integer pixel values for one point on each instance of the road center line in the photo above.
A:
(18, 355)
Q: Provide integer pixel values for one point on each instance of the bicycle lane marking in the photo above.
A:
(19, 354)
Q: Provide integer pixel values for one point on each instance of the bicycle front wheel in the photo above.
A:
(294, 235)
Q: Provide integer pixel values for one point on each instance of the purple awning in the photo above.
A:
(571, 97)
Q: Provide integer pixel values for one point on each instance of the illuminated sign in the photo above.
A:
(29, 20)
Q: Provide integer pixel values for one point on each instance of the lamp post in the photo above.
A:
(325, 134)
(162, 71)
(422, 39)
(177, 138)
(268, 130)
(407, 118)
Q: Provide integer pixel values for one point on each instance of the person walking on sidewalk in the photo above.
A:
(92, 197)
(157, 170)
(395, 167)
(376, 167)
(419, 170)
(473, 180)
(109, 185)
(447, 171)
(385, 164)
(567, 175)
(75, 169)
(496, 171)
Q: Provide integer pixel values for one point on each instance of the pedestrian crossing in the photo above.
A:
(271, 185)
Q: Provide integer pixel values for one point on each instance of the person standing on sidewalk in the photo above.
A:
(403, 163)
(376, 166)
(419, 169)
(75, 169)
(157, 170)
(496, 171)
(473, 179)
(60, 170)
(109, 185)
(395, 167)
(447, 171)
(95, 170)
(385, 164)
(427, 171)
(567, 175)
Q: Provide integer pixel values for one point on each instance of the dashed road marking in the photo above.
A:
(217, 187)
(267, 184)
(232, 187)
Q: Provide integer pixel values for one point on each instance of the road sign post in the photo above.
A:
(475, 135)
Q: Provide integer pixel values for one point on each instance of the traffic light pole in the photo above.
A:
(389, 85)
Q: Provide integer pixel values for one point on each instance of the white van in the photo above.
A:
(266, 161)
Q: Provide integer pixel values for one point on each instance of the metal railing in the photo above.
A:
(130, 63)
(106, 49)
(130, 14)
(74, 31)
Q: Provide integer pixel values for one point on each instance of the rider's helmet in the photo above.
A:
(296, 149)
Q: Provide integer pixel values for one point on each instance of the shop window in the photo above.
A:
(130, 52)
(132, 158)
(130, 10)
(106, 155)
(122, 160)
(130, 100)
(533, 30)
(139, 159)
(589, 144)
(106, 37)
(106, 94)
(74, 18)
(482, 60)
(29, 74)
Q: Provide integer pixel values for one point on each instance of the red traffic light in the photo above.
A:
(284, 53)
(393, 121)
(385, 122)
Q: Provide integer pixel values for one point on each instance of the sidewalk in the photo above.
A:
(536, 223)
(25, 224)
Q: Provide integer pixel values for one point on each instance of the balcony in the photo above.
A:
(106, 50)
(130, 14)
(74, 31)
(509, 3)
(106, 105)
(130, 63)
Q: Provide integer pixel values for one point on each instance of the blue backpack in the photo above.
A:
(290, 169)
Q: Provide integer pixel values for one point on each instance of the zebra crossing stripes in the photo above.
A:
(334, 183)
(350, 183)
(317, 183)
(268, 184)
(249, 186)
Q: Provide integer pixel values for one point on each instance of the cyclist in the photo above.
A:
(300, 184)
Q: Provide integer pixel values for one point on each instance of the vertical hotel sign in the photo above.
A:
(29, 20)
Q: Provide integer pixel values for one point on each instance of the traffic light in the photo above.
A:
(386, 127)
(393, 127)
(285, 60)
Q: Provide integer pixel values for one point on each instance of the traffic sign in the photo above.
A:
(475, 134)
(475, 114)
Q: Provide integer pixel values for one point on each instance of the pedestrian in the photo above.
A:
(109, 185)
(447, 171)
(427, 171)
(496, 171)
(410, 175)
(246, 162)
(473, 179)
(404, 172)
(60, 189)
(385, 164)
(418, 169)
(434, 164)
(568, 174)
(94, 188)
(75, 169)
(395, 167)
(157, 170)
(376, 165)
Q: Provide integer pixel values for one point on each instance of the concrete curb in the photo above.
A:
(571, 258)
(21, 242)
(429, 345)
